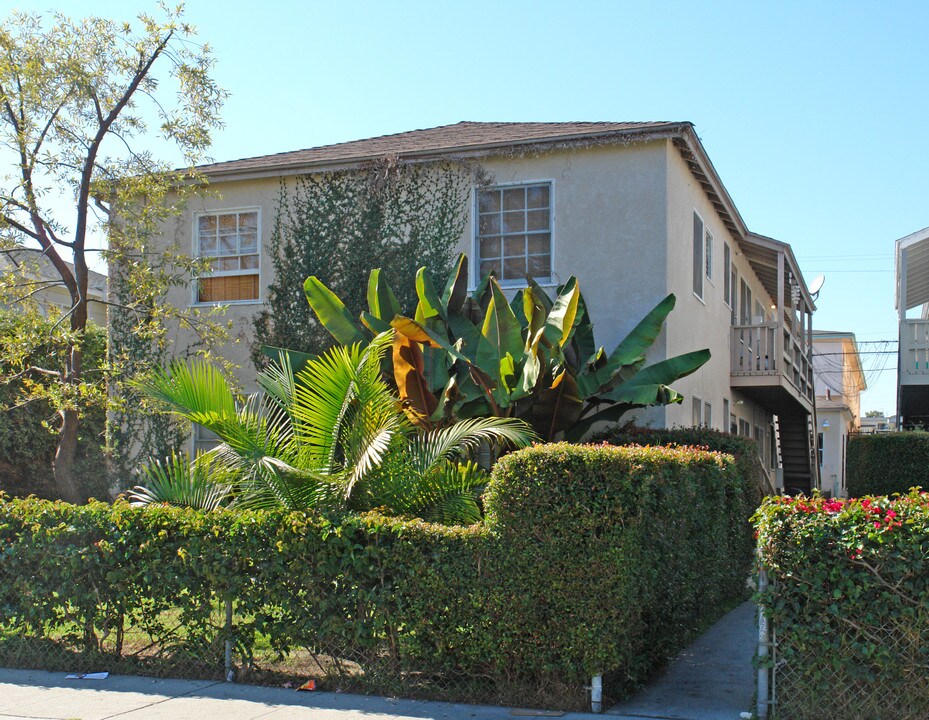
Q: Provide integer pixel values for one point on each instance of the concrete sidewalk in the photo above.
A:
(32, 694)
(712, 679)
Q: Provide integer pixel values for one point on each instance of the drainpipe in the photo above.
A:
(596, 694)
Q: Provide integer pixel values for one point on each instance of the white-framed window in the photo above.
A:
(728, 274)
(708, 252)
(697, 412)
(513, 232)
(726, 414)
(204, 440)
(231, 240)
(708, 415)
(699, 255)
(733, 424)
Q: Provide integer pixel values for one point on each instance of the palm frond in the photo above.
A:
(204, 484)
(195, 390)
(278, 382)
(453, 442)
(447, 494)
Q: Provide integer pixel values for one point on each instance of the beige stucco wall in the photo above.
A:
(242, 195)
(698, 323)
(622, 223)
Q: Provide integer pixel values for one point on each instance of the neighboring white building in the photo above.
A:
(879, 424)
(840, 381)
(911, 261)
(634, 210)
(47, 289)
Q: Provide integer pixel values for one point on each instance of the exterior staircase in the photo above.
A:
(798, 452)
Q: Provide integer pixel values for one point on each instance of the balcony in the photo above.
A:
(912, 280)
(773, 364)
(913, 373)
(772, 354)
(914, 352)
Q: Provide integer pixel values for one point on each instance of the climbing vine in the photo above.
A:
(339, 226)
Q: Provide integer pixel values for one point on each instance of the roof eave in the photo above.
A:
(454, 152)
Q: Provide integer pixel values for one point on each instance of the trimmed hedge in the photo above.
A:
(887, 463)
(592, 559)
(849, 603)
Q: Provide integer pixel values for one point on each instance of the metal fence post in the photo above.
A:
(596, 694)
(763, 650)
(230, 674)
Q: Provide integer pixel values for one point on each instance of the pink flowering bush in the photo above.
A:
(849, 601)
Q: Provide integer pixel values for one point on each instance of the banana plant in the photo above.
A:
(475, 354)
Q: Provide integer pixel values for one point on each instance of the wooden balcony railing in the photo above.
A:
(757, 352)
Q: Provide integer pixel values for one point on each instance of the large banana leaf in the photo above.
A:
(332, 312)
(416, 396)
(382, 303)
(650, 379)
(602, 371)
(430, 304)
(456, 289)
(560, 321)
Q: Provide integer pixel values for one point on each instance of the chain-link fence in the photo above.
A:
(337, 651)
(850, 668)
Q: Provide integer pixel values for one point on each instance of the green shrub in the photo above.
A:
(887, 463)
(613, 557)
(592, 559)
(849, 602)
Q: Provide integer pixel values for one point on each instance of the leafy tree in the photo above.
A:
(28, 432)
(874, 413)
(81, 103)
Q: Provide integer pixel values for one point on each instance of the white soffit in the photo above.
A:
(916, 246)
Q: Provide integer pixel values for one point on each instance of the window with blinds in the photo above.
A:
(230, 241)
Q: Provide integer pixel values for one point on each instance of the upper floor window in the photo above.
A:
(728, 275)
(708, 242)
(700, 263)
(514, 232)
(230, 240)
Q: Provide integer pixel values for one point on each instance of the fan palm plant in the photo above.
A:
(333, 434)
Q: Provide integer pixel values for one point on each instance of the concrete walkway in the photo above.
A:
(32, 694)
(712, 679)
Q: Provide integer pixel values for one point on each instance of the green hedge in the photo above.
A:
(849, 602)
(887, 463)
(591, 559)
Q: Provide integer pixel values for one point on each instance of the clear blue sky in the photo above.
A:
(813, 113)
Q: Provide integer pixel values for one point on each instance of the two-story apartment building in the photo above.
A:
(839, 382)
(634, 210)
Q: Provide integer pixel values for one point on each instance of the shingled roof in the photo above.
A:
(463, 137)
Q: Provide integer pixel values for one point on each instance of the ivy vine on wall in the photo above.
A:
(340, 225)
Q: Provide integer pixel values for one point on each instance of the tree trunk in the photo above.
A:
(65, 482)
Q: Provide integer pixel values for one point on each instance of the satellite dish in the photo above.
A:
(817, 285)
